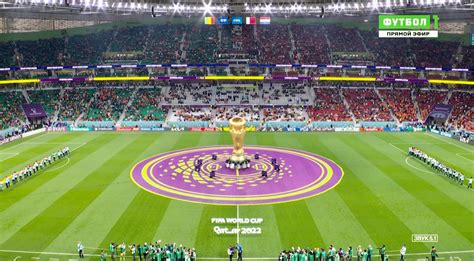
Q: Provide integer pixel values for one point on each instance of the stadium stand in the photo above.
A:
(426, 99)
(10, 110)
(311, 44)
(328, 106)
(74, 102)
(462, 115)
(48, 98)
(400, 102)
(366, 105)
(108, 104)
(146, 106)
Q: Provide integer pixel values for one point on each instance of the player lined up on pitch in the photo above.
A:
(440, 167)
(332, 254)
(146, 252)
(34, 168)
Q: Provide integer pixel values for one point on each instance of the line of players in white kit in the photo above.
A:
(438, 166)
(31, 169)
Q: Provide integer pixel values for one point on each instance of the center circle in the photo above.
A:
(174, 175)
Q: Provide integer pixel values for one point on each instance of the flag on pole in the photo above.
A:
(209, 20)
(250, 20)
(265, 20)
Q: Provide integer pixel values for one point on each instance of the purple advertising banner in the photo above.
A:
(440, 112)
(34, 111)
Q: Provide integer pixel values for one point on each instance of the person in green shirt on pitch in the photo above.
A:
(311, 255)
(112, 251)
(349, 253)
(103, 256)
(382, 253)
(370, 252)
(434, 253)
(317, 254)
(323, 255)
(365, 255)
(123, 250)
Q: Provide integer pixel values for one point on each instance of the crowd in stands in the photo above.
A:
(393, 51)
(73, 102)
(87, 49)
(163, 45)
(49, 98)
(7, 54)
(249, 113)
(366, 105)
(187, 113)
(311, 44)
(426, 99)
(274, 44)
(108, 104)
(438, 166)
(284, 94)
(189, 94)
(400, 102)
(30, 169)
(146, 106)
(203, 44)
(431, 53)
(237, 95)
(11, 114)
(344, 39)
(256, 102)
(328, 106)
(284, 113)
(462, 115)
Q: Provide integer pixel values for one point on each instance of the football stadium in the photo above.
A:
(288, 130)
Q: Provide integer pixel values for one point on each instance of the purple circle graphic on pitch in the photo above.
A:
(174, 175)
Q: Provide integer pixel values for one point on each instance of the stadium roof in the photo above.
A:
(450, 9)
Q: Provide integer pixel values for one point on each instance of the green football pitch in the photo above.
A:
(384, 197)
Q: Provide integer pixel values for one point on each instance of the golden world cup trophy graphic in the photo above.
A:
(237, 132)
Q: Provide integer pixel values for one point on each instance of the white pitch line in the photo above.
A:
(423, 170)
(13, 155)
(238, 225)
(212, 258)
(444, 140)
(82, 144)
(398, 148)
(460, 155)
(60, 167)
(21, 143)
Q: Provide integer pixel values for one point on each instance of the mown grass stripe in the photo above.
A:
(144, 214)
(289, 215)
(377, 218)
(424, 192)
(171, 228)
(205, 233)
(48, 223)
(329, 208)
(14, 195)
(28, 153)
(452, 189)
(111, 203)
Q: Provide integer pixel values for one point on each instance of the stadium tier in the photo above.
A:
(236, 130)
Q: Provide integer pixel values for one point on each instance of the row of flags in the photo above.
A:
(237, 20)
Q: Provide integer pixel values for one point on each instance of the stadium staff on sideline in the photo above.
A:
(230, 252)
(403, 252)
(240, 250)
(382, 253)
(370, 252)
(80, 249)
(434, 255)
